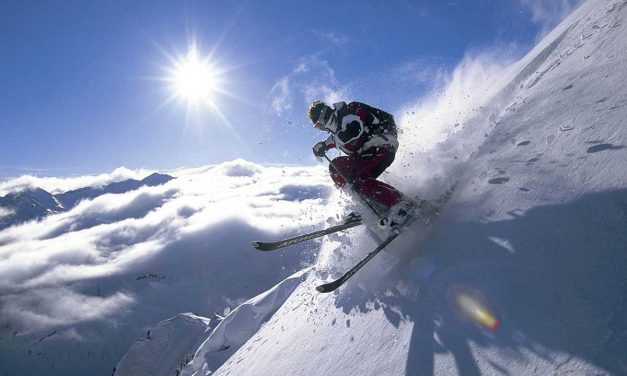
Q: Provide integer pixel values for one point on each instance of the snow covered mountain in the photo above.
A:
(36, 203)
(71, 198)
(525, 271)
(26, 205)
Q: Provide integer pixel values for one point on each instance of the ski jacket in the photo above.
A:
(357, 127)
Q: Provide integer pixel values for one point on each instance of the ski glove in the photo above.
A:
(319, 149)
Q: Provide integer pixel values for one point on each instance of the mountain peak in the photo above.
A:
(156, 179)
(34, 202)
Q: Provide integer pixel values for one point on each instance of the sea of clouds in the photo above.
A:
(87, 264)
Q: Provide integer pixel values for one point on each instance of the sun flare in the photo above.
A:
(194, 79)
(199, 83)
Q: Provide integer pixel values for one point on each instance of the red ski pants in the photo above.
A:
(363, 170)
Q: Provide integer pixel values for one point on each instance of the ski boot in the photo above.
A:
(352, 217)
(399, 215)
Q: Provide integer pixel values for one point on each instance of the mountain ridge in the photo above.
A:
(36, 203)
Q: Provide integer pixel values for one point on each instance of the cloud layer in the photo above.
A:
(83, 265)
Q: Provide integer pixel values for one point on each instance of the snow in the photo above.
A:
(534, 236)
(523, 273)
(78, 288)
(241, 324)
(165, 347)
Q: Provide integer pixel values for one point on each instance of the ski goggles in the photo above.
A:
(320, 123)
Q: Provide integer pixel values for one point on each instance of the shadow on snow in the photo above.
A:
(555, 277)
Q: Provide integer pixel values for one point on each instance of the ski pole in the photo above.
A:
(350, 183)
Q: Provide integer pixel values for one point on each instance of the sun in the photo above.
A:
(200, 82)
(194, 79)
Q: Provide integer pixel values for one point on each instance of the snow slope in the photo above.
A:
(169, 341)
(524, 273)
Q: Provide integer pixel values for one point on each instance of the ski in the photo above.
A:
(353, 220)
(334, 285)
(425, 213)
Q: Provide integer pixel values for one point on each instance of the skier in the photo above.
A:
(369, 138)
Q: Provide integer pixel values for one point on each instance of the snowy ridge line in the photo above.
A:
(58, 185)
(242, 323)
(166, 348)
(527, 71)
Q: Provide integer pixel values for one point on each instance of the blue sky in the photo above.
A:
(83, 90)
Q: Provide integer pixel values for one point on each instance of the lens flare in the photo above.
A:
(473, 308)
